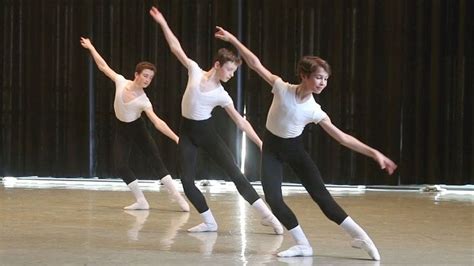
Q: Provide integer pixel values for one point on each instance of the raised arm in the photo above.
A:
(173, 42)
(161, 125)
(354, 144)
(100, 62)
(252, 60)
(243, 125)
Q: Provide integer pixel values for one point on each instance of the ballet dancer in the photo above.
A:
(204, 91)
(292, 108)
(130, 101)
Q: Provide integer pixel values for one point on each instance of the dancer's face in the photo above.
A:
(144, 78)
(316, 81)
(226, 71)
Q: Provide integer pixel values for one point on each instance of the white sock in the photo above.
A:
(167, 181)
(353, 229)
(302, 247)
(268, 219)
(209, 225)
(299, 236)
(141, 202)
(360, 239)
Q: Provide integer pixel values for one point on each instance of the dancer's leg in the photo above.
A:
(360, 239)
(141, 202)
(271, 181)
(219, 152)
(312, 181)
(187, 167)
(167, 181)
(209, 224)
(121, 151)
(148, 146)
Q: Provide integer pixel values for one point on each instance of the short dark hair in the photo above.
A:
(224, 55)
(144, 65)
(308, 64)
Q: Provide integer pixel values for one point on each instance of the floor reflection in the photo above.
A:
(177, 222)
(269, 247)
(300, 261)
(140, 220)
(207, 241)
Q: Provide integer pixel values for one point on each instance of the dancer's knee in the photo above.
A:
(275, 202)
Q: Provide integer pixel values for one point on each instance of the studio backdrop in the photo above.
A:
(401, 82)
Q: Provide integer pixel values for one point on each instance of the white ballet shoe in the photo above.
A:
(183, 204)
(139, 205)
(368, 246)
(297, 251)
(274, 223)
(203, 227)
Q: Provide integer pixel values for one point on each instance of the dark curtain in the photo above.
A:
(400, 82)
(44, 96)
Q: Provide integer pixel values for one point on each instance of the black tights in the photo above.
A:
(135, 134)
(277, 151)
(201, 134)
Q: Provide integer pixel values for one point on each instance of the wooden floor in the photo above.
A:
(73, 223)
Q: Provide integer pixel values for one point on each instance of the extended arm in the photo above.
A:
(100, 62)
(354, 144)
(251, 59)
(173, 42)
(243, 125)
(161, 125)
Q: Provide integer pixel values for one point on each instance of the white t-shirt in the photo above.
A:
(128, 111)
(286, 117)
(198, 105)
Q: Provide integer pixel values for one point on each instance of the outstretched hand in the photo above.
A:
(156, 14)
(385, 163)
(86, 43)
(223, 34)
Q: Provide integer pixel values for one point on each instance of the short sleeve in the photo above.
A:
(278, 86)
(318, 114)
(147, 103)
(225, 100)
(193, 68)
(119, 81)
